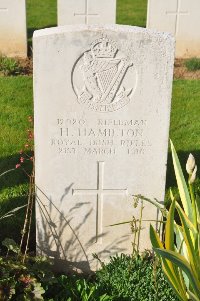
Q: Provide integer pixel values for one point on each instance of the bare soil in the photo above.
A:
(27, 65)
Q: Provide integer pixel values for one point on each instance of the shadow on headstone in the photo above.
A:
(50, 240)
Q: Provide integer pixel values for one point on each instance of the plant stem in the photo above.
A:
(27, 214)
(32, 183)
(140, 226)
(193, 205)
(134, 227)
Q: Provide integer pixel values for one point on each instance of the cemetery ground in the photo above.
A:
(16, 100)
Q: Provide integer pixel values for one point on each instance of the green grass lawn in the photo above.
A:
(185, 123)
(40, 14)
(16, 99)
(132, 12)
(16, 105)
(43, 13)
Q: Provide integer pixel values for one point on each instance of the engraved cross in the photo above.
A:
(86, 13)
(177, 13)
(100, 192)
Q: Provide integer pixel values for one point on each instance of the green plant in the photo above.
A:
(193, 64)
(180, 253)
(22, 281)
(75, 288)
(140, 278)
(9, 66)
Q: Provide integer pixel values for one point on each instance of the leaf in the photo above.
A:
(189, 223)
(181, 295)
(181, 248)
(192, 296)
(169, 242)
(198, 208)
(11, 212)
(155, 240)
(6, 216)
(181, 262)
(38, 291)
(17, 208)
(11, 245)
(1, 175)
(183, 190)
(193, 259)
(167, 266)
(169, 230)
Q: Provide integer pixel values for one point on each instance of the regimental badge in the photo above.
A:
(99, 77)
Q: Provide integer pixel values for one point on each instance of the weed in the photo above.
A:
(9, 66)
(193, 64)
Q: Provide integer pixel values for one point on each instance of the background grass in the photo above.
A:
(132, 12)
(184, 124)
(16, 101)
(43, 13)
(40, 14)
(193, 64)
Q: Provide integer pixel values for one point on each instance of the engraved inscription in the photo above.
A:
(98, 77)
(3, 9)
(105, 137)
(86, 14)
(177, 14)
(100, 192)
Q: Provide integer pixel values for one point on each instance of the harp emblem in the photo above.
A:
(102, 69)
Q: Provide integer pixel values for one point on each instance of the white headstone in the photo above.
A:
(86, 12)
(182, 19)
(102, 105)
(13, 36)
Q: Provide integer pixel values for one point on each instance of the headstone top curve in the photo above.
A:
(96, 27)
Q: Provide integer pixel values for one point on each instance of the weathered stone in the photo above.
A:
(102, 107)
(182, 19)
(13, 37)
(86, 12)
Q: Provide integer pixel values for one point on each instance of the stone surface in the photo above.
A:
(86, 12)
(102, 106)
(182, 19)
(13, 37)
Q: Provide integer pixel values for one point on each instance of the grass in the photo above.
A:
(132, 12)
(193, 64)
(185, 124)
(40, 14)
(43, 13)
(16, 105)
(9, 66)
(185, 121)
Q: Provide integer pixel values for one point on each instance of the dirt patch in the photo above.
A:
(181, 72)
(26, 65)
